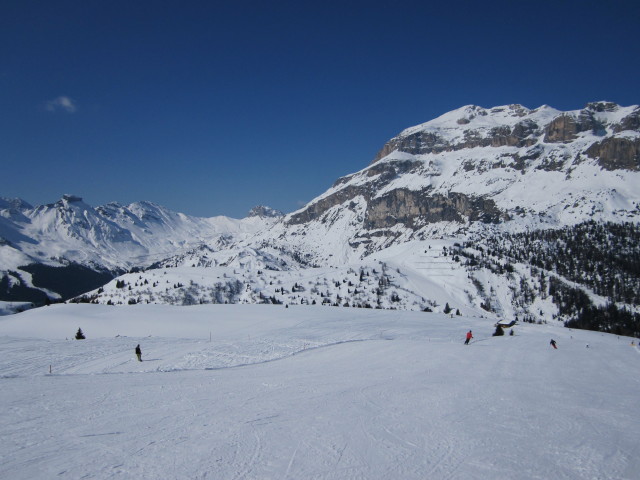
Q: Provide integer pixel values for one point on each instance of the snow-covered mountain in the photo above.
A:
(421, 227)
(475, 169)
(109, 238)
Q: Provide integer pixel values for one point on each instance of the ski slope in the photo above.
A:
(268, 392)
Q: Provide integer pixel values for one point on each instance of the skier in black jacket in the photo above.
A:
(139, 353)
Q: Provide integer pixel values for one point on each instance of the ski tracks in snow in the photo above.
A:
(326, 403)
(246, 456)
(402, 450)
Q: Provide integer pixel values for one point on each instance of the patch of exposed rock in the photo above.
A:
(418, 208)
(424, 142)
(616, 153)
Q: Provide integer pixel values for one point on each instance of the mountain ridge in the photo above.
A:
(471, 173)
(109, 239)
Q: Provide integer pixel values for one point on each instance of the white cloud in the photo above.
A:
(61, 103)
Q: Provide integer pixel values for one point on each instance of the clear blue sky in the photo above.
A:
(210, 108)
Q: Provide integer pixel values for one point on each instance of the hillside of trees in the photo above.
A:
(573, 265)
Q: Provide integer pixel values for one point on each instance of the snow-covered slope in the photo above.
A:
(408, 276)
(257, 392)
(419, 276)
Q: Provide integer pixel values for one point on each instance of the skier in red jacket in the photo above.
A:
(469, 337)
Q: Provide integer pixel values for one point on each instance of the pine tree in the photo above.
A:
(80, 335)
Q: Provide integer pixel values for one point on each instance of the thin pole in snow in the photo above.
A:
(49, 369)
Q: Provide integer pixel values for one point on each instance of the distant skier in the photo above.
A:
(469, 337)
(553, 343)
(139, 353)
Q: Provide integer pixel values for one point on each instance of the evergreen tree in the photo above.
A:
(80, 335)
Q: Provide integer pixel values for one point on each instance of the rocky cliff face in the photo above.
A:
(513, 126)
(615, 153)
(415, 209)
(423, 142)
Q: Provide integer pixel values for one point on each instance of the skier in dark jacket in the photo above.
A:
(469, 337)
(553, 343)
(139, 353)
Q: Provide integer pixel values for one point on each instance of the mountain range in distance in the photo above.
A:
(458, 181)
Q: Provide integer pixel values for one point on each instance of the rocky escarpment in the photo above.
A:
(630, 122)
(527, 130)
(619, 151)
(565, 128)
(615, 153)
(414, 209)
(422, 142)
(379, 175)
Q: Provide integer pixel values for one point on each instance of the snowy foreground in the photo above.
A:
(267, 392)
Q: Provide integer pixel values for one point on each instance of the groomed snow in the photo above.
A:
(268, 392)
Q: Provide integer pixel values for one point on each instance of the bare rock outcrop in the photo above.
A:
(417, 208)
(615, 153)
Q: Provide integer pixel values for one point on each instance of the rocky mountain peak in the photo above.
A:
(67, 197)
(264, 212)
(602, 106)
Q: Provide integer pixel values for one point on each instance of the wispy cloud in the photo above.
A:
(61, 103)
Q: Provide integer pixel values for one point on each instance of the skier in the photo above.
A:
(139, 353)
(553, 343)
(469, 337)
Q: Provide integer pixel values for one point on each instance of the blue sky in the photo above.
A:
(210, 108)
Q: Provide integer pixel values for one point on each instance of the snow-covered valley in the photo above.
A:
(310, 392)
